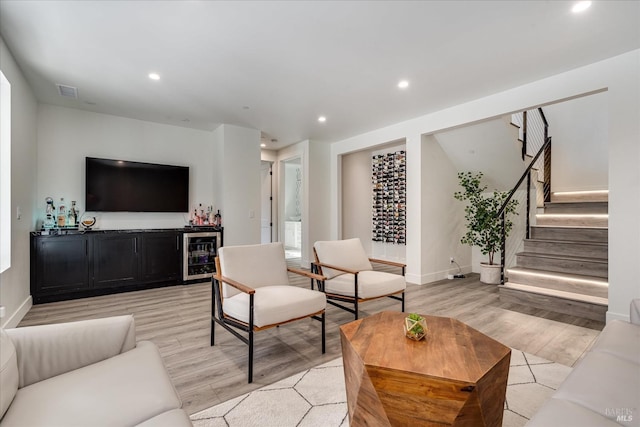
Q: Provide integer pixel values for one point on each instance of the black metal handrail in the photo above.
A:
(524, 175)
(546, 149)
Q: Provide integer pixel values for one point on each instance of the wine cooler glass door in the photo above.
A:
(200, 251)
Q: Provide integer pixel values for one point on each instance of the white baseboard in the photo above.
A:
(423, 279)
(13, 320)
(617, 316)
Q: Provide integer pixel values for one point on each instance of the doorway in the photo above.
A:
(293, 207)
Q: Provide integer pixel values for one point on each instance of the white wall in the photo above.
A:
(442, 215)
(14, 282)
(317, 187)
(357, 197)
(240, 180)
(579, 130)
(66, 136)
(617, 75)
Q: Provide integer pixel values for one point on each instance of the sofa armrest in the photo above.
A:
(634, 316)
(45, 351)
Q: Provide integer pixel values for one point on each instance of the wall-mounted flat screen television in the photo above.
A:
(124, 186)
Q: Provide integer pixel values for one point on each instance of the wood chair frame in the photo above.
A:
(231, 324)
(316, 267)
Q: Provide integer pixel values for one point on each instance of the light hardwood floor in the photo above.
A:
(176, 318)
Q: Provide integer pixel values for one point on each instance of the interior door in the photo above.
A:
(266, 200)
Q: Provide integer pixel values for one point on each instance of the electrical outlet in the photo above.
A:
(451, 260)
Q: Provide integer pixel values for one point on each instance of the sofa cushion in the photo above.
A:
(172, 418)
(45, 351)
(603, 383)
(275, 304)
(558, 412)
(8, 372)
(621, 339)
(371, 284)
(123, 390)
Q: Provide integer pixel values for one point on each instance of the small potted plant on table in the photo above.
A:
(415, 327)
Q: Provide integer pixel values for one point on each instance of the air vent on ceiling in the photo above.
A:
(68, 91)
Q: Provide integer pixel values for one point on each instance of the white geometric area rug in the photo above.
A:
(316, 397)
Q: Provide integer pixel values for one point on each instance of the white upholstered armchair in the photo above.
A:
(349, 275)
(251, 292)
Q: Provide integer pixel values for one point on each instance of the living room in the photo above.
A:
(50, 142)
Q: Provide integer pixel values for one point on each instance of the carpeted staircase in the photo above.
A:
(564, 264)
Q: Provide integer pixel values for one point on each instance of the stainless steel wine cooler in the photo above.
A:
(200, 251)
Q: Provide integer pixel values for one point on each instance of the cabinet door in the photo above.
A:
(61, 264)
(161, 257)
(115, 259)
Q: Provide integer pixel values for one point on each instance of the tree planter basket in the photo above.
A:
(490, 273)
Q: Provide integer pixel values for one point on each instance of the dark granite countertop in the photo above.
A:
(71, 231)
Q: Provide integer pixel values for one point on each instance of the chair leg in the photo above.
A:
(250, 356)
(323, 334)
(403, 302)
(251, 306)
(355, 293)
(213, 313)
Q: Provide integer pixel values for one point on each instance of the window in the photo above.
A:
(5, 173)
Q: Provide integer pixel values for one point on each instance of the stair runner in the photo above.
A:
(564, 264)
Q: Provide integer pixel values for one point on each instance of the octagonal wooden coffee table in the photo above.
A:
(456, 376)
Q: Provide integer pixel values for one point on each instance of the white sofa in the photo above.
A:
(604, 388)
(87, 373)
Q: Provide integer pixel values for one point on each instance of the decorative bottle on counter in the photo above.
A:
(62, 213)
(50, 214)
(72, 217)
(217, 219)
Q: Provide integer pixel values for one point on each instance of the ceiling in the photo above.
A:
(278, 66)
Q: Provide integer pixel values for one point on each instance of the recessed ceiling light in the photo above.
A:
(154, 76)
(263, 145)
(322, 119)
(581, 6)
(403, 84)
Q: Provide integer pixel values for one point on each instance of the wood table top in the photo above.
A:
(451, 349)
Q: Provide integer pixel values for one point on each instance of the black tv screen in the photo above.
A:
(124, 186)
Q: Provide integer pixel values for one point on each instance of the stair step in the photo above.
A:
(575, 234)
(562, 302)
(576, 207)
(573, 283)
(580, 196)
(567, 247)
(573, 220)
(563, 264)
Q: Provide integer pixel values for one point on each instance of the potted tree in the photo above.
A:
(483, 223)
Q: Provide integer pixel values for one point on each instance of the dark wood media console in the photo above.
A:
(77, 264)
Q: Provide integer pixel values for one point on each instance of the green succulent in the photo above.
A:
(416, 329)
